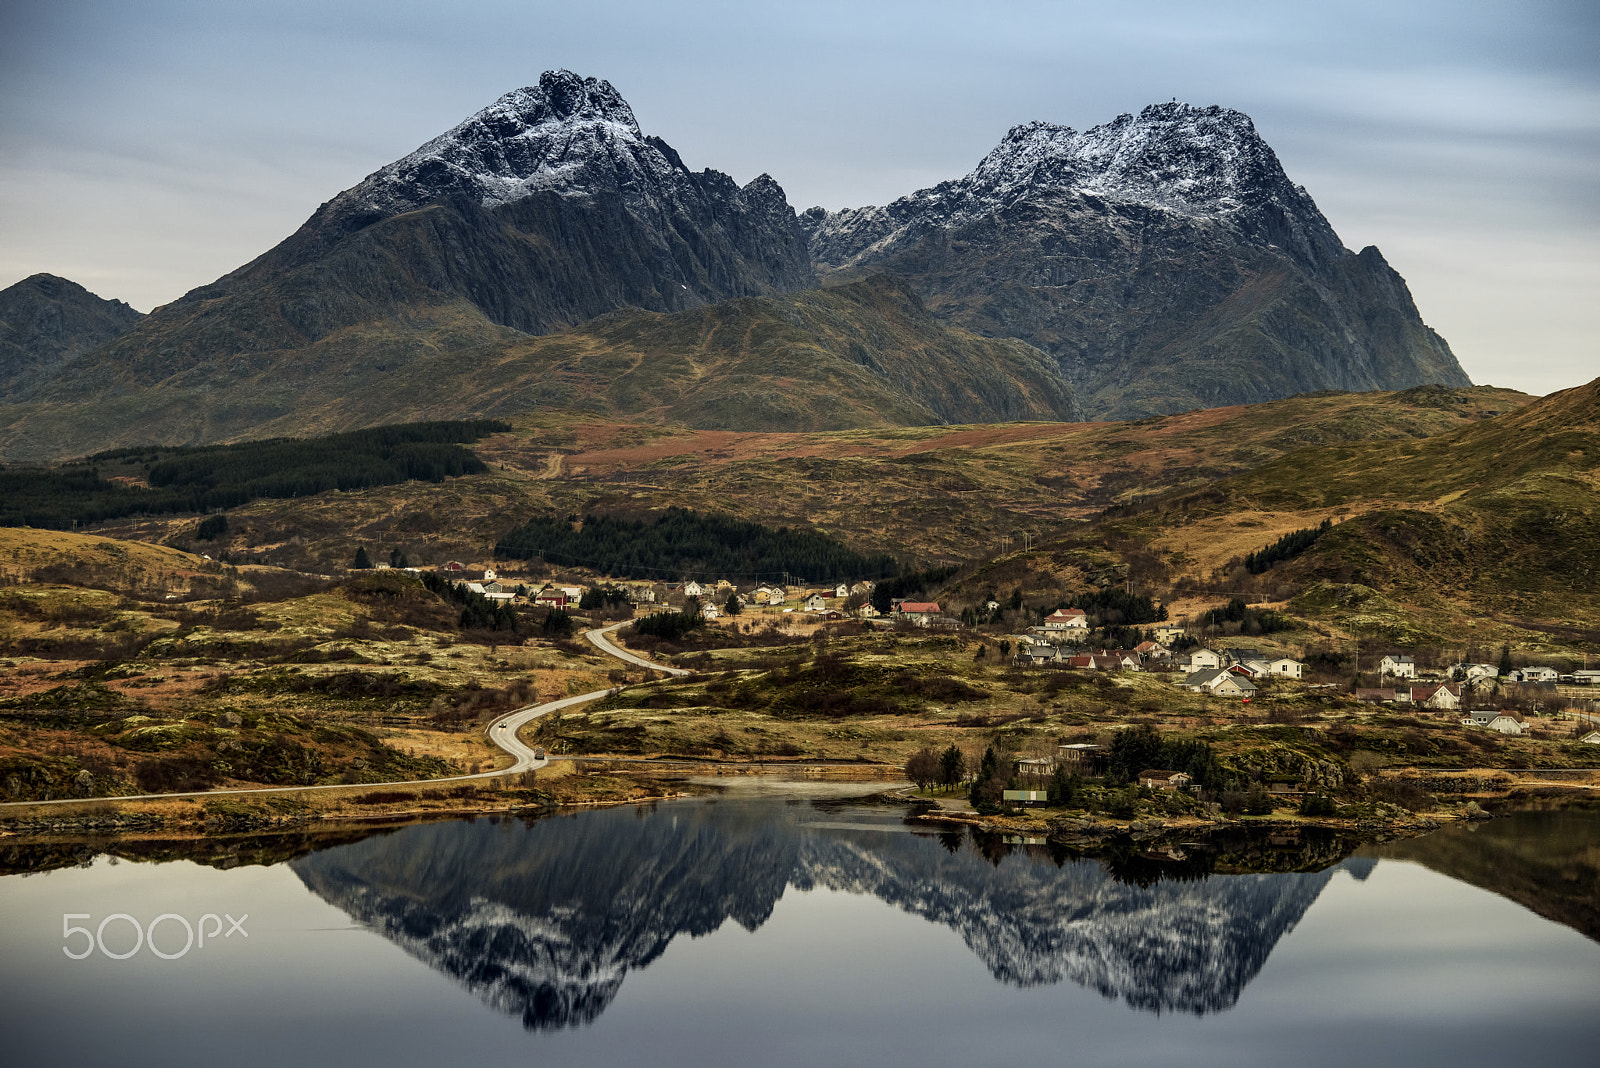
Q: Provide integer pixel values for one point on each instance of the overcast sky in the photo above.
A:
(148, 148)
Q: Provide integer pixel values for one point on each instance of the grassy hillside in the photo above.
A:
(865, 355)
(922, 493)
(1493, 524)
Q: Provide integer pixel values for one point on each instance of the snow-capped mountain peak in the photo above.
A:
(1176, 155)
(568, 134)
(1197, 163)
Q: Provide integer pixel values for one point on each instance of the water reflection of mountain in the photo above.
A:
(545, 920)
(1548, 862)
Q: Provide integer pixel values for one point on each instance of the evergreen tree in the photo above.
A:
(362, 561)
(952, 766)
(1506, 666)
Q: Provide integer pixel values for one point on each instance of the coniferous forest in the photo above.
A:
(155, 481)
(681, 544)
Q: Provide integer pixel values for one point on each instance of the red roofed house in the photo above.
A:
(551, 597)
(918, 612)
(1071, 620)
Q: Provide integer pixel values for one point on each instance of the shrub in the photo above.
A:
(1317, 805)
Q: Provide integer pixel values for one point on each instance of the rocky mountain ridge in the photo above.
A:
(1202, 163)
(45, 323)
(1165, 260)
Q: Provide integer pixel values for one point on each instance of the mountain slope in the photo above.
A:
(45, 323)
(544, 210)
(1433, 539)
(863, 355)
(1164, 259)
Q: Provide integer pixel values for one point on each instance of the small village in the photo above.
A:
(1509, 700)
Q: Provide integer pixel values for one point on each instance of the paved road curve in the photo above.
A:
(597, 638)
(502, 732)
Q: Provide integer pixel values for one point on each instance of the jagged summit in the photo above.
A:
(1190, 159)
(1197, 162)
(569, 134)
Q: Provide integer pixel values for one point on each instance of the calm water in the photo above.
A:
(761, 931)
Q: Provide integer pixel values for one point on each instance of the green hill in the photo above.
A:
(863, 355)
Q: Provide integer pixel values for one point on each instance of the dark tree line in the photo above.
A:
(1287, 547)
(1250, 620)
(1143, 748)
(671, 625)
(683, 544)
(477, 611)
(1114, 607)
(903, 587)
(215, 477)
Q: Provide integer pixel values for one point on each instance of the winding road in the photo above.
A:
(502, 732)
(597, 638)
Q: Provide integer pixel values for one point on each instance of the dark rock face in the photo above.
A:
(1164, 259)
(545, 921)
(544, 210)
(45, 323)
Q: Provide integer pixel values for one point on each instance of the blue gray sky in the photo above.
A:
(148, 148)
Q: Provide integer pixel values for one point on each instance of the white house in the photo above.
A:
(1510, 723)
(1205, 660)
(1447, 697)
(1069, 620)
(693, 589)
(709, 610)
(918, 612)
(1593, 738)
(1473, 672)
(1163, 780)
(1284, 668)
(1166, 633)
(816, 603)
(1536, 674)
(841, 590)
(1401, 667)
(1221, 682)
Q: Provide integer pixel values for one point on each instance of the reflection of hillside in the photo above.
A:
(545, 920)
(1548, 862)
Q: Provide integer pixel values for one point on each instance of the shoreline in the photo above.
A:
(191, 818)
